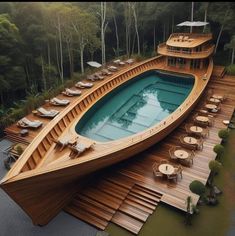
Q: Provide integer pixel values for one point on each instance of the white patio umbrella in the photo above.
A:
(94, 64)
(193, 23)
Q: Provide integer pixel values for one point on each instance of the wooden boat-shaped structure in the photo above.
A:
(43, 180)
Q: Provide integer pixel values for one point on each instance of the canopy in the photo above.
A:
(193, 23)
(94, 64)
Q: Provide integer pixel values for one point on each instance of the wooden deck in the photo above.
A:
(127, 193)
(138, 171)
(219, 71)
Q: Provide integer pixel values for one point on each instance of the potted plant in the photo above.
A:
(214, 166)
(19, 149)
(218, 149)
(223, 134)
(198, 188)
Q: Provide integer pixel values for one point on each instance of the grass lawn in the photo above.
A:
(211, 220)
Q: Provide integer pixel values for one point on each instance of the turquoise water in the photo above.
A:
(135, 106)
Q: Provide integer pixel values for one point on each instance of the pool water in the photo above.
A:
(135, 106)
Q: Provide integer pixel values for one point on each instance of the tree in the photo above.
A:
(231, 45)
(103, 27)
(222, 13)
(133, 6)
(85, 26)
(12, 76)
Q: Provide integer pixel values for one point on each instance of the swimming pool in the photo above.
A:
(135, 106)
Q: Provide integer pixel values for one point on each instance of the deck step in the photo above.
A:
(86, 216)
(95, 203)
(141, 202)
(133, 212)
(94, 210)
(147, 190)
(144, 198)
(127, 222)
(139, 206)
(104, 198)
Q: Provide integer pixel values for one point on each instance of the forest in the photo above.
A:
(45, 46)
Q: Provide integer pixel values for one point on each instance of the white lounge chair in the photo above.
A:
(83, 85)
(106, 72)
(70, 92)
(45, 113)
(64, 142)
(79, 148)
(91, 78)
(112, 68)
(98, 76)
(130, 61)
(59, 102)
(117, 61)
(26, 123)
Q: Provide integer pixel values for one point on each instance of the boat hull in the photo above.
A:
(43, 196)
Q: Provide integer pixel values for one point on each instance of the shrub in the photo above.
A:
(230, 69)
(19, 149)
(214, 166)
(218, 149)
(197, 187)
(223, 134)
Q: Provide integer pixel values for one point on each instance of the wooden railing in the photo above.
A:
(191, 35)
(36, 151)
(162, 49)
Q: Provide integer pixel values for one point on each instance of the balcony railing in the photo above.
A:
(162, 49)
(191, 35)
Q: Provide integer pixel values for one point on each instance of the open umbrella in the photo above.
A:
(94, 64)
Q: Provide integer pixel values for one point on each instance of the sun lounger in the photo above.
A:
(59, 102)
(83, 85)
(70, 92)
(91, 77)
(26, 123)
(106, 72)
(112, 68)
(98, 76)
(45, 113)
(181, 38)
(186, 38)
(64, 142)
(79, 148)
(130, 61)
(117, 61)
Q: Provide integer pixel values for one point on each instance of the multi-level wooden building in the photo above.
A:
(187, 51)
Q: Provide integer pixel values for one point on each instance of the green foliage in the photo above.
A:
(215, 166)
(223, 134)
(218, 149)
(197, 187)
(19, 149)
(230, 69)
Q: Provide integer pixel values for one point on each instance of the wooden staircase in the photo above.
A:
(15, 137)
(111, 200)
(218, 71)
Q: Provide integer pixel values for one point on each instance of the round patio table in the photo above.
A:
(211, 106)
(166, 169)
(196, 129)
(181, 154)
(202, 118)
(217, 96)
(215, 100)
(190, 140)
